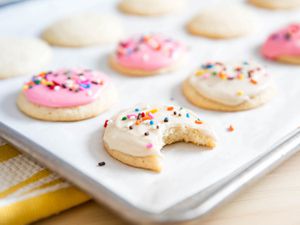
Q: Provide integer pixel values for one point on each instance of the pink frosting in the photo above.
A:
(149, 52)
(285, 42)
(65, 88)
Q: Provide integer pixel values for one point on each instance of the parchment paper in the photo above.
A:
(188, 169)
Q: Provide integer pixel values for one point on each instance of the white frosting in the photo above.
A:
(231, 84)
(118, 135)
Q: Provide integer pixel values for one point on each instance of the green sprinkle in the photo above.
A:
(124, 118)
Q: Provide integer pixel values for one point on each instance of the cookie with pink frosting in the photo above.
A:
(148, 55)
(283, 45)
(67, 95)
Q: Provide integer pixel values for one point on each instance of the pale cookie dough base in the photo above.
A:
(68, 114)
(195, 98)
(195, 31)
(142, 73)
(84, 30)
(154, 162)
(129, 9)
(289, 59)
(151, 162)
(271, 4)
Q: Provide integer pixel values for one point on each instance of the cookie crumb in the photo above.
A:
(230, 128)
(101, 164)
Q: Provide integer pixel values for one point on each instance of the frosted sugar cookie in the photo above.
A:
(136, 136)
(223, 21)
(20, 56)
(283, 45)
(151, 7)
(229, 87)
(276, 4)
(67, 95)
(83, 30)
(148, 55)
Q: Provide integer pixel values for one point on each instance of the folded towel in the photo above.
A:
(29, 192)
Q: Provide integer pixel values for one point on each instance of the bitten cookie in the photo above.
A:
(283, 45)
(148, 55)
(21, 56)
(67, 95)
(229, 87)
(137, 135)
(151, 7)
(276, 4)
(83, 30)
(224, 21)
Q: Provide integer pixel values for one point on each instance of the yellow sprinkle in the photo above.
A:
(240, 76)
(153, 110)
(25, 87)
(43, 82)
(200, 72)
(49, 83)
(240, 93)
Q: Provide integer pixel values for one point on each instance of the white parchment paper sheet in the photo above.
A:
(188, 169)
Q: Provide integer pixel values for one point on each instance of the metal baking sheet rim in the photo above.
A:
(192, 208)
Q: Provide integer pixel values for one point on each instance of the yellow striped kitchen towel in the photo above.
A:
(29, 192)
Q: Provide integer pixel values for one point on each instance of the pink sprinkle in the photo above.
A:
(131, 115)
(205, 76)
(149, 145)
(150, 115)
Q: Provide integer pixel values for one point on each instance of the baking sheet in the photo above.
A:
(188, 169)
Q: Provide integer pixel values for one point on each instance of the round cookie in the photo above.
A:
(231, 87)
(67, 95)
(20, 56)
(83, 30)
(136, 136)
(276, 4)
(228, 21)
(151, 7)
(283, 45)
(148, 55)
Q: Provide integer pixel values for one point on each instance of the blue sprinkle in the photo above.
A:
(187, 115)
(151, 122)
(136, 110)
(85, 85)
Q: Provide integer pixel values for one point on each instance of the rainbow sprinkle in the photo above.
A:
(74, 82)
(151, 119)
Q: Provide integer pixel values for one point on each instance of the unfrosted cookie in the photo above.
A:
(283, 45)
(229, 87)
(136, 136)
(276, 4)
(83, 30)
(151, 7)
(148, 55)
(21, 56)
(67, 95)
(223, 21)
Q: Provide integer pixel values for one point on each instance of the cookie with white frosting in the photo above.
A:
(229, 87)
(136, 136)
(151, 7)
